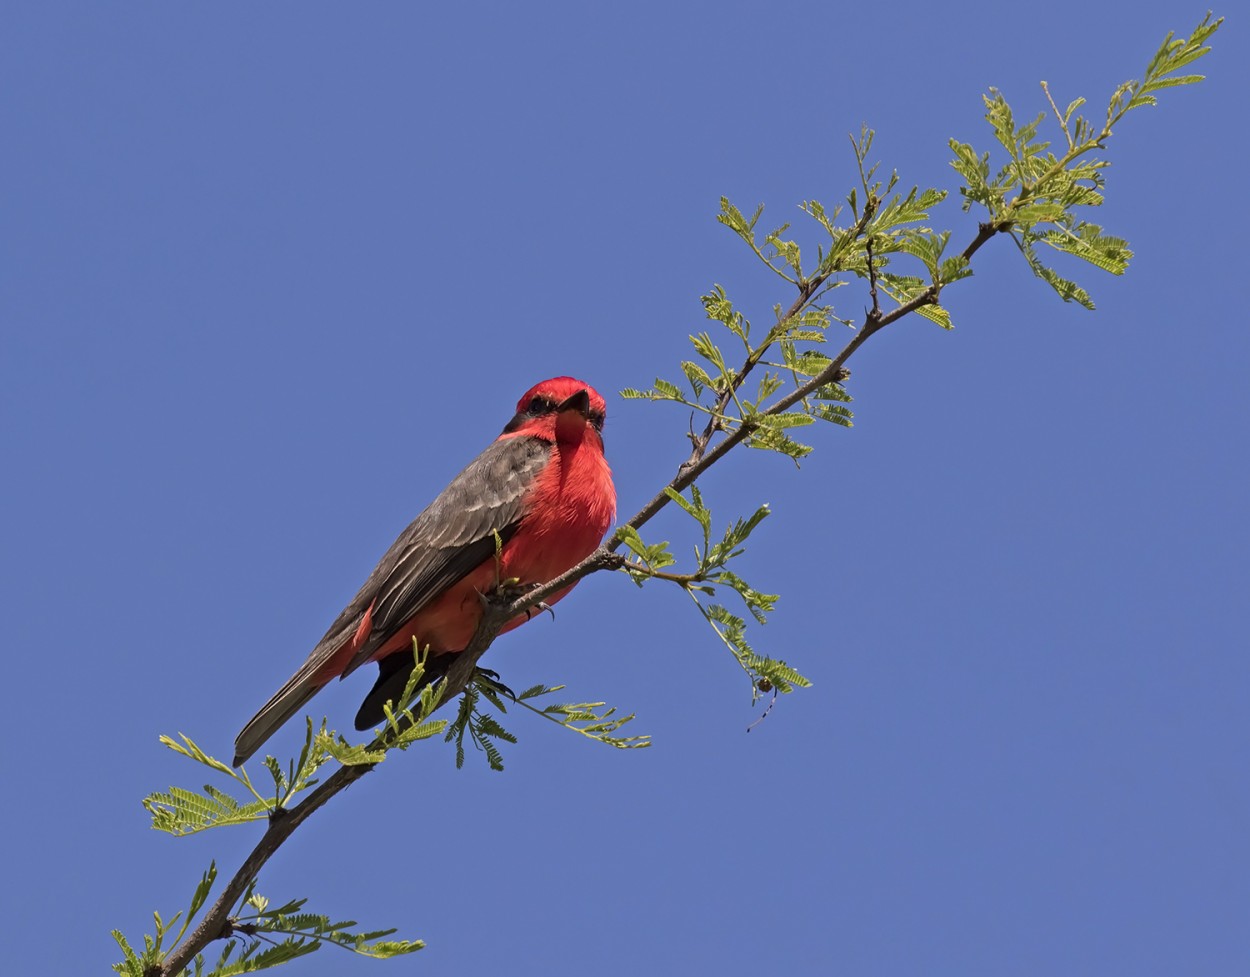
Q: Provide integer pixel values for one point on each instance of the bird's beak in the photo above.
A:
(573, 418)
(579, 402)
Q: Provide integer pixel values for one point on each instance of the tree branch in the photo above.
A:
(283, 822)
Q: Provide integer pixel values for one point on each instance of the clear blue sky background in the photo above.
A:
(270, 275)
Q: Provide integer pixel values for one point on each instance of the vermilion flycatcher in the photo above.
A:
(543, 486)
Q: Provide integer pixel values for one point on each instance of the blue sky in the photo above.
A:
(270, 276)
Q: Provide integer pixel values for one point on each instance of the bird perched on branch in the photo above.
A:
(534, 504)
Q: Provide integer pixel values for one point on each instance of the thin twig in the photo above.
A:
(875, 314)
(1058, 115)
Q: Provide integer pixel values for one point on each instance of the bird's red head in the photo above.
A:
(562, 409)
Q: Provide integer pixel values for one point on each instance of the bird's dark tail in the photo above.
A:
(393, 673)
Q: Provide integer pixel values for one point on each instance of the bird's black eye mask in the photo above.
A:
(543, 405)
(535, 408)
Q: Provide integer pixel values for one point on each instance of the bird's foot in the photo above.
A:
(512, 588)
(490, 678)
(541, 606)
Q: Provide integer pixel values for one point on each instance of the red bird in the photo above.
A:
(543, 486)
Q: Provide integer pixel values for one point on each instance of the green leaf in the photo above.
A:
(200, 896)
(1087, 242)
(787, 251)
(420, 731)
(481, 728)
(780, 675)
(769, 384)
(668, 390)
(816, 210)
(1040, 212)
(1067, 290)
(717, 306)
(131, 965)
(784, 420)
(697, 377)
(976, 173)
(596, 721)
(179, 811)
(834, 413)
(832, 391)
(304, 932)
(1075, 104)
(906, 210)
(771, 439)
(935, 313)
(735, 536)
(539, 690)
(351, 755)
(807, 363)
(953, 270)
(629, 536)
(733, 218)
(188, 749)
(693, 506)
(757, 603)
(664, 390)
